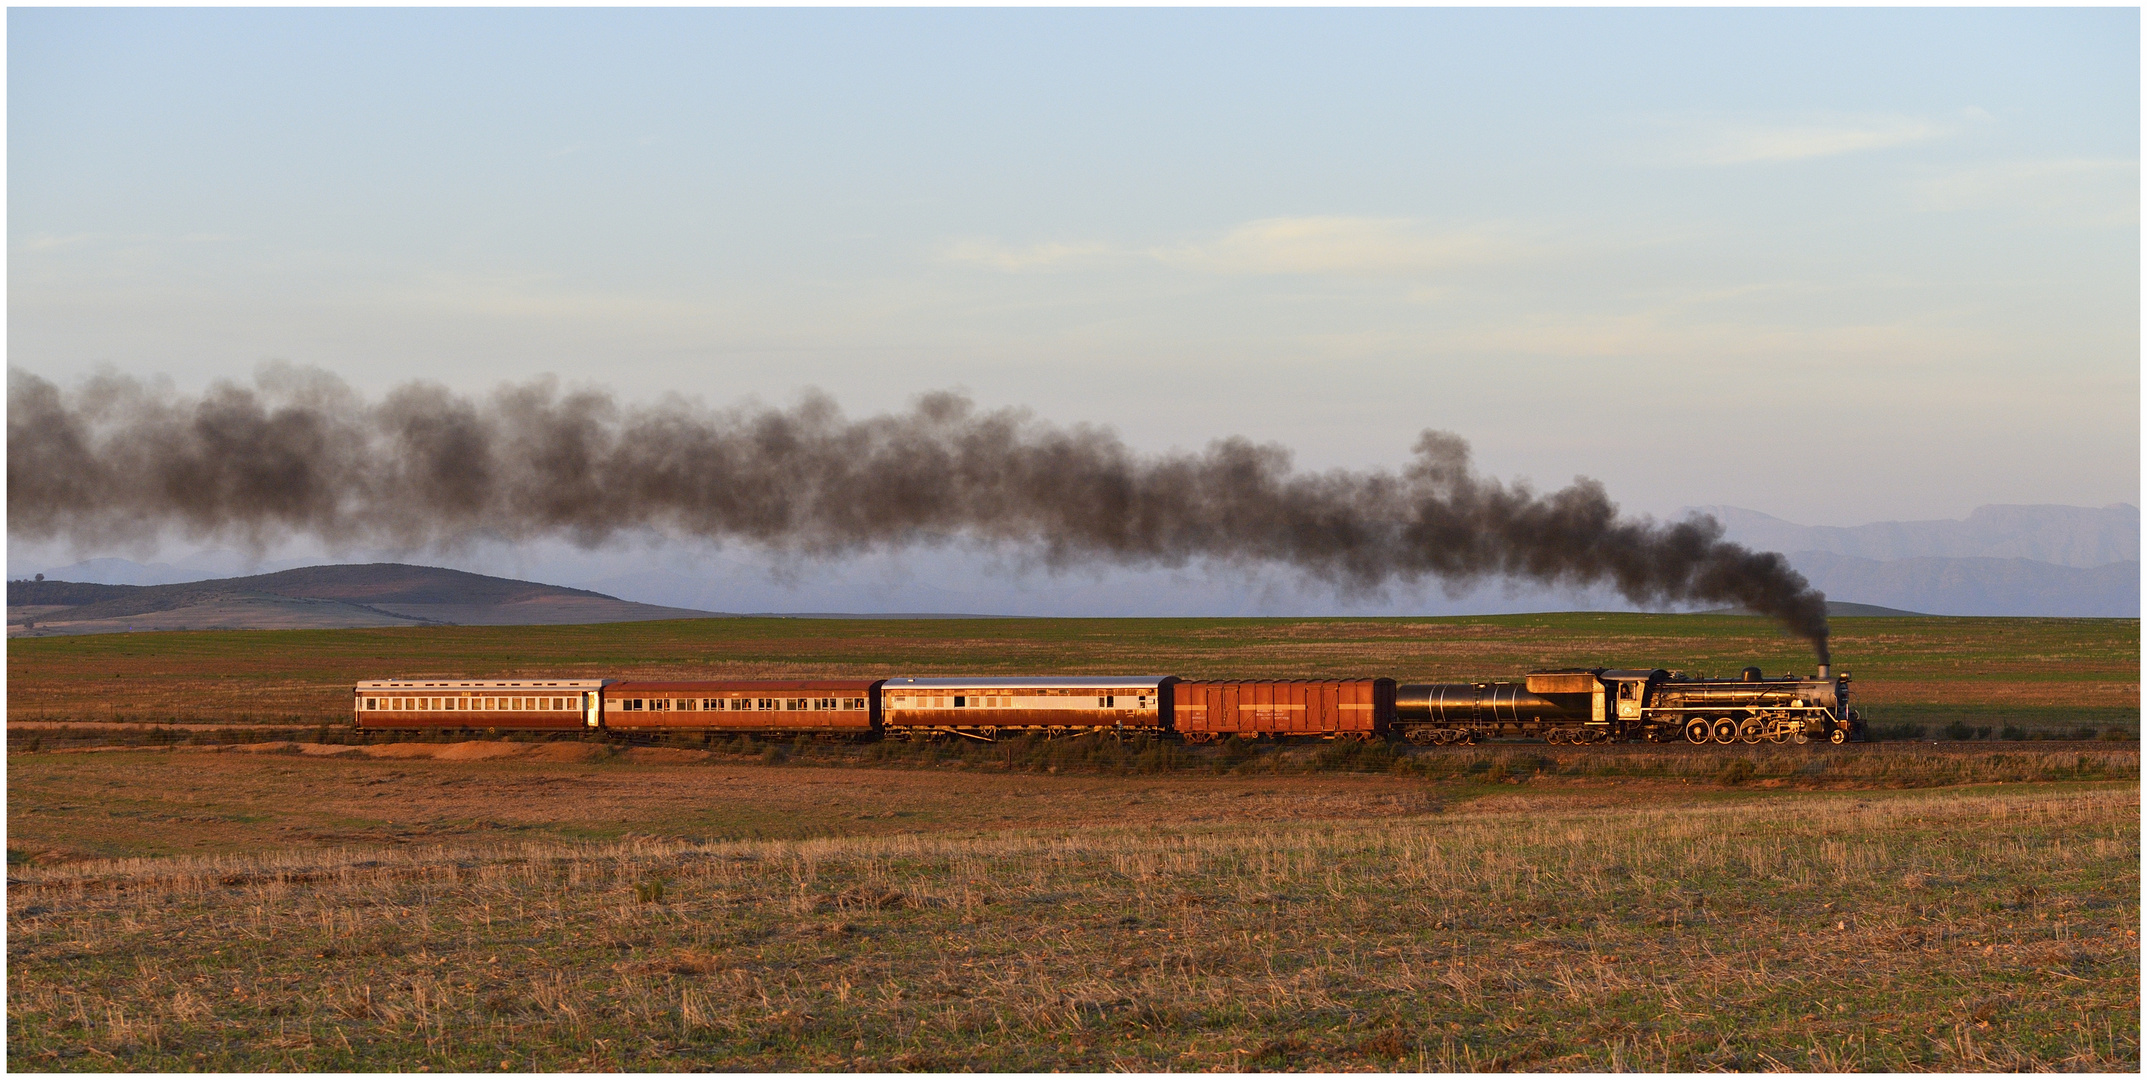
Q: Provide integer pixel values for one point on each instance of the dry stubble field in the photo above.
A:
(441, 913)
(567, 906)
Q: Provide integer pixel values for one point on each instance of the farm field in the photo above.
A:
(2040, 674)
(494, 904)
(475, 912)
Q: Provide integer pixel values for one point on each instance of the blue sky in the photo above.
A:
(1833, 265)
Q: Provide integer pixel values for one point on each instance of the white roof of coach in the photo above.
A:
(1041, 682)
(482, 684)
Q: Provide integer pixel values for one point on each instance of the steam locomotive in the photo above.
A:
(1571, 706)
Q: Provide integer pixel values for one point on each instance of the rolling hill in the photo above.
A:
(316, 597)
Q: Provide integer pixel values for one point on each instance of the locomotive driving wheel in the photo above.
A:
(1751, 730)
(1779, 735)
(1697, 730)
(1725, 731)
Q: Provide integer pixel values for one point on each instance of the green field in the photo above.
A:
(2049, 674)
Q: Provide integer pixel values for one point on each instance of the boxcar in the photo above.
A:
(506, 704)
(984, 708)
(1283, 708)
(816, 706)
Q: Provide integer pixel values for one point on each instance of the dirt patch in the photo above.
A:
(404, 750)
(479, 751)
(567, 752)
(665, 755)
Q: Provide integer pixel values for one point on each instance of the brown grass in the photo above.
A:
(1813, 932)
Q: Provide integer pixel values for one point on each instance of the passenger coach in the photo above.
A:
(808, 706)
(981, 708)
(505, 704)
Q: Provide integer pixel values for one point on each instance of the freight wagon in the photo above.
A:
(1360, 709)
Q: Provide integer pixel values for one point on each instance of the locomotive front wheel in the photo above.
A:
(1800, 738)
(1696, 731)
(1751, 731)
(1838, 737)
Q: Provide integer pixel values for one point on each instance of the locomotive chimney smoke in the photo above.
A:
(303, 454)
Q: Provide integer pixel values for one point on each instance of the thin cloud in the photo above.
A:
(1738, 142)
(1674, 334)
(2091, 191)
(1348, 246)
(1320, 245)
(990, 252)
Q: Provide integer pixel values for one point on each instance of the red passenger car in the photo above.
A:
(1321, 709)
(812, 706)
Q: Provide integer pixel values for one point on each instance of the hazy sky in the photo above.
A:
(1833, 265)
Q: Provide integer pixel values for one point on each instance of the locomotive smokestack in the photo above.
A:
(423, 467)
(1825, 671)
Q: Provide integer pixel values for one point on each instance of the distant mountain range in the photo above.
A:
(2001, 560)
(315, 597)
(2076, 536)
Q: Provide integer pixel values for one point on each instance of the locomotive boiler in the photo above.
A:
(1585, 705)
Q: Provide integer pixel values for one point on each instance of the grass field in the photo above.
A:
(2048, 674)
(440, 914)
(1075, 905)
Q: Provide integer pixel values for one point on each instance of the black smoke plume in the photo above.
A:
(117, 459)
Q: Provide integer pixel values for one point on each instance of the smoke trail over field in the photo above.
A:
(117, 459)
